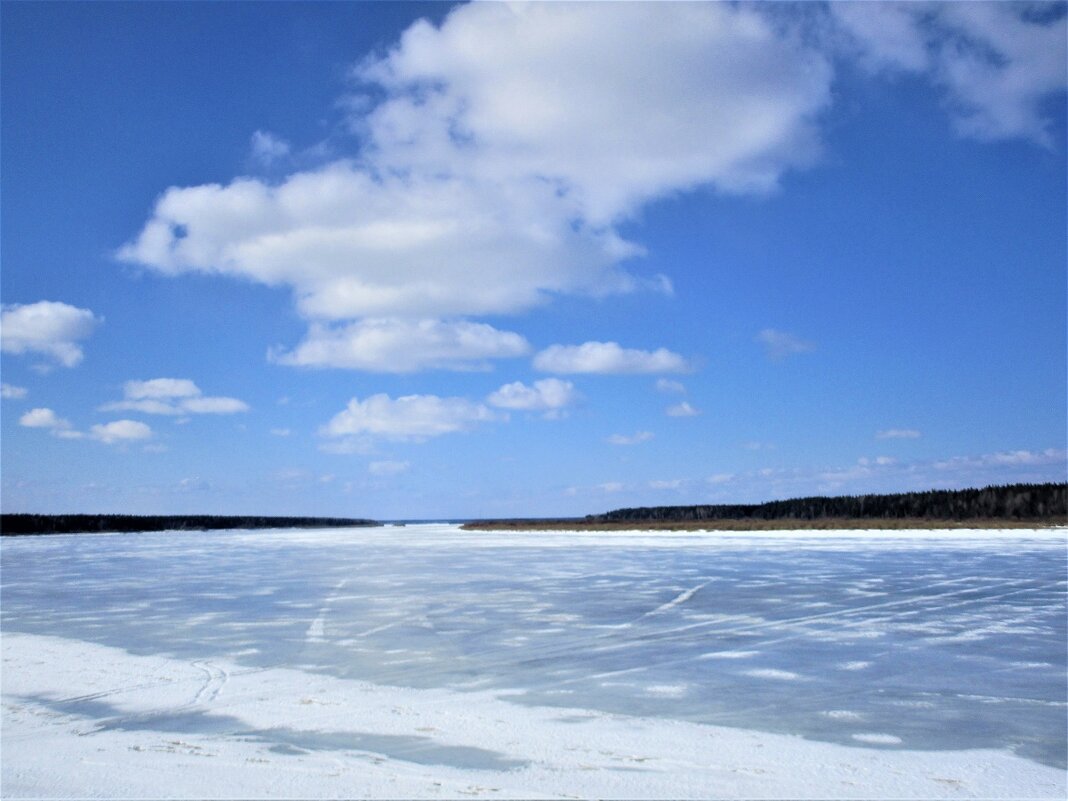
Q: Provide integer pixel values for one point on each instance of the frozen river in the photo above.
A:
(887, 650)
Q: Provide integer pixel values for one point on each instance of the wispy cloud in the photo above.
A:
(997, 62)
(668, 385)
(898, 433)
(683, 409)
(10, 392)
(632, 439)
(387, 468)
(779, 344)
(268, 148)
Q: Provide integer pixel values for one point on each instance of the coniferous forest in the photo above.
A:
(14, 524)
(1045, 502)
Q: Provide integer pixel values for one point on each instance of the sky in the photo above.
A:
(409, 261)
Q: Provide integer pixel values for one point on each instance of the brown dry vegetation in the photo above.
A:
(785, 524)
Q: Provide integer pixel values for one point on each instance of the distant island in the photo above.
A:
(22, 524)
(1004, 506)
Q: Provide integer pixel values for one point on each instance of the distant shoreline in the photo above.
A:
(826, 524)
(999, 506)
(16, 525)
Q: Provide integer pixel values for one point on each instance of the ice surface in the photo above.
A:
(882, 643)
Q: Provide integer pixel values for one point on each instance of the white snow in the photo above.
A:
(87, 721)
(429, 662)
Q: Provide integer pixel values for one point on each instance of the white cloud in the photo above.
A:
(47, 327)
(997, 62)
(683, 409)
(206, 405)
(758, 446)
(898, 433)
(10, 392)
(880, 461)
(549, 395)
(721, 478)
(670, 484)
(268, 148)
(1019, 458)
(120, 431)
(109, 433)
(172, 396)
(667, 385)
(615, 104)
(607, 358)
(410, 417)
(160, 388)
(43, 418)
(502, 149)
(387, 468)
(610, 487)
(633, 439)
(499, 153)
(404, 346)
(779, 344)
(281, 432)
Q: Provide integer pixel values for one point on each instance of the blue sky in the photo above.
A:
(425, 260)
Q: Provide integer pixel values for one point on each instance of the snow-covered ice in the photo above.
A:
(430, 662)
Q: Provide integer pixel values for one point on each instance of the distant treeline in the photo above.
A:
(1047, 502)
(14, 524)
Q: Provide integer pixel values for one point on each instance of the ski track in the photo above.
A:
(215, 679)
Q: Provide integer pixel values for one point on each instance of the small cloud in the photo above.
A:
(172, 396)
(387, 345)
(779, 344)
(720, 478)
(633, 439)
(120, 431)
(268, 148)
(667, 385)
(213, 405)
(44, 418)
(160, 388)
(683, 409)
(347, 446)
(898, 433)
(281, 432)
(610, 486)
(9, 392)
(608, 358)
(47, 327)
(387, 468)
(410, 417)
(670, 484)
(758, 446)
(550, 395)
